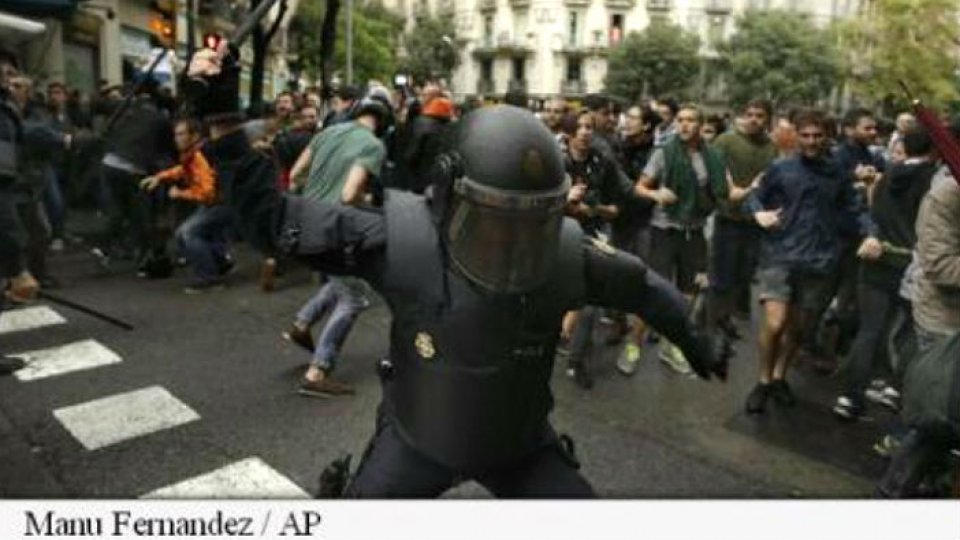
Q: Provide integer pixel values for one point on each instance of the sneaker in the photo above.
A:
(181, 262)
(671, 355)
(101, 257)
(57, 245)
(847, 409)
(268, 273)
(326, 387)
(628, 359)
(201, 286)
(9, 364)
(757, 400)
(886, 446)
(887, 396)
(300, 337)
(781, 393)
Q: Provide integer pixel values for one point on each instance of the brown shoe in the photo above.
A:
(300, 337)
(326, 387)
(268, 272)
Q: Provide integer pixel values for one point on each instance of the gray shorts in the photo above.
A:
(808, 291)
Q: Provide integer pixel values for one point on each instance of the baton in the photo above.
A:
(84, 309)
(252, 20)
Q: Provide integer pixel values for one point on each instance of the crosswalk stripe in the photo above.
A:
(21, 320)
(250, 478)
(77, 356)
(117, 418)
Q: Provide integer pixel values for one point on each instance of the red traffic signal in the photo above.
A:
(212, 40)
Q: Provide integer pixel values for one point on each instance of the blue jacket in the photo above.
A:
(819, 204)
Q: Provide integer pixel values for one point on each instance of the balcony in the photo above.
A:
(572, 88)
(519, 4)
(577, 3)
(488, 5)
(485, 86)
(625, 5)
(659, 5)
(718, 7)
(504, 45)
(577, 47)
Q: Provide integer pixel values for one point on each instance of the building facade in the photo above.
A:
(101, 42)
(550, 47)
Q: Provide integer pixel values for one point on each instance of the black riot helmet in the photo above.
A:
(505, 200)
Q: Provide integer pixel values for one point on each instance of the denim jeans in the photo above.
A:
(202, 239)
(733, 261)
(344, 300)
(878, 308)
(54, 203)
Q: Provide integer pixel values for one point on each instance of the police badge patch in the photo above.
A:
(424, 345)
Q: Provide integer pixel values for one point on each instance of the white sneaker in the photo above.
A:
(888, 397)
(671, 355)
(56, 245)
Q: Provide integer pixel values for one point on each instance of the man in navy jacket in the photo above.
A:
(805, 204)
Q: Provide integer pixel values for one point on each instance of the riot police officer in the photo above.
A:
(478, 275)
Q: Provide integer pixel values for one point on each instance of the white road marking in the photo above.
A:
(31, 318)
(117, 418)
(81, 355)
(250, 478)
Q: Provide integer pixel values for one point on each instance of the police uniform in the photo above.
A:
(477, 276)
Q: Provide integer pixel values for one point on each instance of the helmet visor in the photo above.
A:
(505, 241)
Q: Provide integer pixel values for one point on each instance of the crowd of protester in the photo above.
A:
(847, 236)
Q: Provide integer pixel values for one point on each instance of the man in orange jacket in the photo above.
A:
(202, 237)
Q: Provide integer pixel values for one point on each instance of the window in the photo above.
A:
(574, 69)
(616, 29)
(573, 37)
(488, 29)
(519, 69)
(486, 70)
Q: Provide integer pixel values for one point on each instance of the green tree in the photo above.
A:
(376, 32)
(663, 59)
(908, 40)
(431, 49)
(780, 56)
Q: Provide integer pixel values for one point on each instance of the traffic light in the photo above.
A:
(163, 22)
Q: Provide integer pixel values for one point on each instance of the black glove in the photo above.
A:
(217, 98)
(706, 354)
